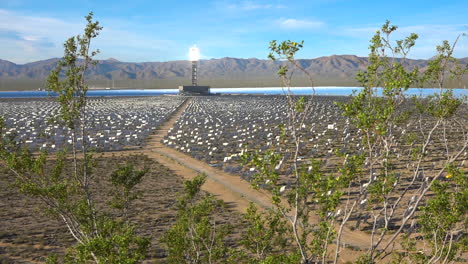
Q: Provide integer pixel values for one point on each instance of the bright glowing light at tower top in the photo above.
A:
(194, 53)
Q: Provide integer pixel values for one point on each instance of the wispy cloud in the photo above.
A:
(250, 5)
(429, 36)
(26, 38)
(425, 31)
(291, 23)
(36, 25)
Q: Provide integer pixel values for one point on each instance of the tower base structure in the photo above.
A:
(194, 90)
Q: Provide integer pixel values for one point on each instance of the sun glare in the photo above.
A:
(194, 54)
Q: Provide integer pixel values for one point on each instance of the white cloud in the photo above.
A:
(426, 31)
(292, 23)
(37, 26)
(428, 37)
(250, 5)
(25, 38)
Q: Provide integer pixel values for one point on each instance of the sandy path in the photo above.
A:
(230, 188)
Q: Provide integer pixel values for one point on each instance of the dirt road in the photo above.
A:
(230, 188)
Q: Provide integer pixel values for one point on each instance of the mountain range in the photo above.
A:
(336, 67)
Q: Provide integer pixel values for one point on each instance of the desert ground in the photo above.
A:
(178, 138)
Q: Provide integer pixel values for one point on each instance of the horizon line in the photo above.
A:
(227, 57)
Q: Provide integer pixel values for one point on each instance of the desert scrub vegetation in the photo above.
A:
(407, 182)
(198, 235)
(99, 237)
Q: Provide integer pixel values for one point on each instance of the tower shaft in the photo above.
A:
(194, 73)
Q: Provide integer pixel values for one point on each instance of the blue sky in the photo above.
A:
(139, 30)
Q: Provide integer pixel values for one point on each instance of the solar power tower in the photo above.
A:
(194, 89)
(194, 56)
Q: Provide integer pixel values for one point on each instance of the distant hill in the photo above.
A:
(225, 72)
